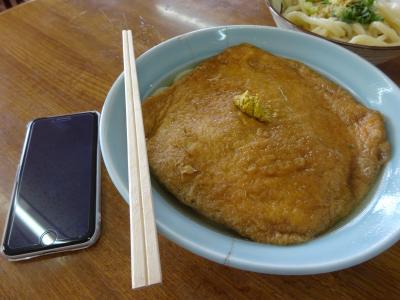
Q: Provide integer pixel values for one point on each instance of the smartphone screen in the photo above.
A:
(55, 194)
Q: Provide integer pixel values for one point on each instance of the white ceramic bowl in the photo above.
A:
(374, 54)
(374, 226)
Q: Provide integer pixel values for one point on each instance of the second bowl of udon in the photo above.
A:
(369, 28)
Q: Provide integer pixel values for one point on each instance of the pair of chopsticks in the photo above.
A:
(145, 259)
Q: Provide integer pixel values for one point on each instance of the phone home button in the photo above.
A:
(48, 238)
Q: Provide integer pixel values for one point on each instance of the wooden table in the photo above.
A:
(60, 57)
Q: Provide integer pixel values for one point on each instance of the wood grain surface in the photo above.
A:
(60, 57)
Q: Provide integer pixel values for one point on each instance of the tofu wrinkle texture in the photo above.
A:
(264, 145)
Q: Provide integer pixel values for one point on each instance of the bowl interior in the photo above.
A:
(373, 227)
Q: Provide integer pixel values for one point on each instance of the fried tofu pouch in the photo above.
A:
(283, 179)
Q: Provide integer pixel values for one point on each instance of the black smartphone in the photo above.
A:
(55, 204)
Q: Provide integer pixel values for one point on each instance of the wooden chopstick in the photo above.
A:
(145, 259)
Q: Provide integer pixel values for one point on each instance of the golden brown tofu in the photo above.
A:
(281, 181)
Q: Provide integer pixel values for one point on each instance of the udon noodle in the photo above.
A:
(364, 22)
